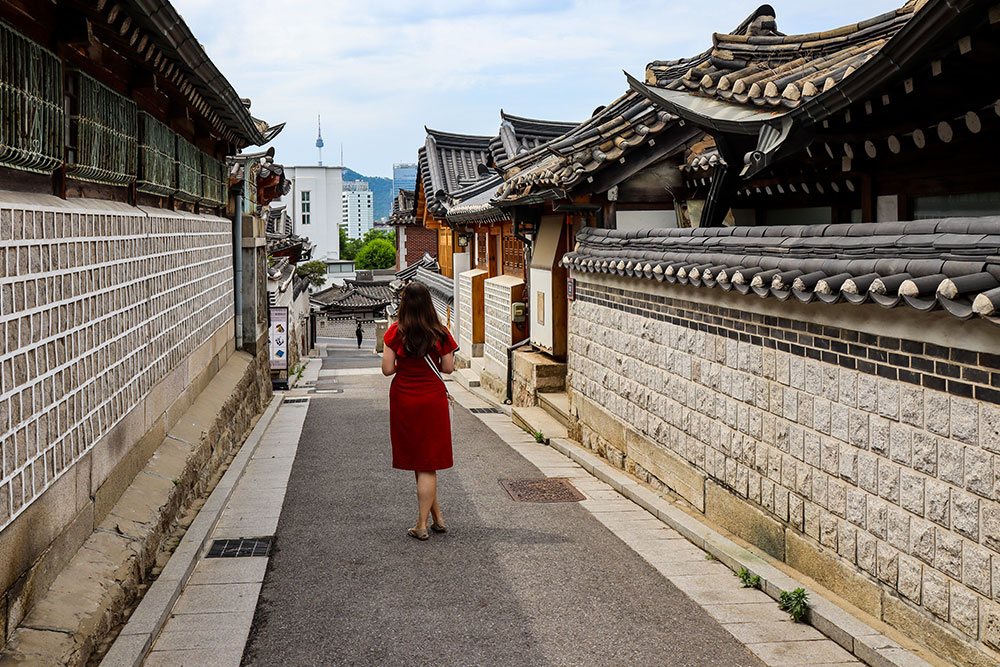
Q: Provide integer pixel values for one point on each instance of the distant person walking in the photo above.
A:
(359, 333)
(417, 350)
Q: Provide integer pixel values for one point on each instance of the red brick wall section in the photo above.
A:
(420, 240)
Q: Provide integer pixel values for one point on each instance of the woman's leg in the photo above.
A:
(426, 496)
(435, 508)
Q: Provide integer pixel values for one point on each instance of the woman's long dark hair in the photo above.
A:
(418, 323)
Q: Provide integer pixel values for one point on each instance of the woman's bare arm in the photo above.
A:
(388, 360)
(448, 363)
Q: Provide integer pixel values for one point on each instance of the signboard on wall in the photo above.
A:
(278, 336)
(571, 289)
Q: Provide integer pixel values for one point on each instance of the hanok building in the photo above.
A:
(815, 367)
(130, 275)
(491, 288)
(618, 169)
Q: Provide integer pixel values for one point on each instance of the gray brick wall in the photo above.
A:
(98, 302)
(875, 448)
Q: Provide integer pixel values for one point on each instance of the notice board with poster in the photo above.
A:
(278, 337)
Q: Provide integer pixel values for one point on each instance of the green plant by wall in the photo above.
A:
(539, 436)
(748, 580)
(796, 603)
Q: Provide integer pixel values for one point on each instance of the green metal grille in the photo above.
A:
(188, 171)
(214, 180)
(157, 157)
(31, 110)
(104, 134)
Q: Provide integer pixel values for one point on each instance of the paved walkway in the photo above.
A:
(597, 582)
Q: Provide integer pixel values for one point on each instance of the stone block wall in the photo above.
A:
(112, 319)
(498, 294)
(97, 304)
(852, 442)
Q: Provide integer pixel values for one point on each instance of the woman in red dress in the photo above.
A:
(419, 419)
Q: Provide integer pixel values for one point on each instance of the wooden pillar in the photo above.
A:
(868, 203)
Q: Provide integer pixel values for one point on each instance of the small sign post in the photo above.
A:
(571, 289)
(278, 336)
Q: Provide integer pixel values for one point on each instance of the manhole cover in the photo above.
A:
(294, 401)
(240, 548)
(545, 490)
(485, 411)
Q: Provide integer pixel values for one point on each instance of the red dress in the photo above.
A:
(419, 423)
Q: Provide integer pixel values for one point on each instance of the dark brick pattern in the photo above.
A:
(952, 370)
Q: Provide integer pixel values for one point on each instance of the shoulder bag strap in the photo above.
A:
(437, 372)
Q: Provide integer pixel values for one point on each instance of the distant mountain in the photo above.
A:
(381, 188)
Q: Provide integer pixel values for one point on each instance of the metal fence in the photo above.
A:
(31, 105)
(103, 134)
(157, 158)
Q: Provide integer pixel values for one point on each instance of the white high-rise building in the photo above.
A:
(358, 208)
(316, 204)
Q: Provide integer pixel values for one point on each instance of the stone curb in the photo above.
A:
(854, 635)
(136, 638)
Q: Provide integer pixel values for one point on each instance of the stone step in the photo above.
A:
(538, 420)
(467, 377)
(556, 404)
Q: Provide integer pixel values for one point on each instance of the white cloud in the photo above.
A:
(381, 70)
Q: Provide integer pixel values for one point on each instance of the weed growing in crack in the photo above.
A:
(748, 580)
(795, 603)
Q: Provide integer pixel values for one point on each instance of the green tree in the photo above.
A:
(376, 254)
(373, 234)
(349, 247)
(314, 272)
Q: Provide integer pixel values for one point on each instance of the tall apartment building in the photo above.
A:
(358, 208)
(404, 177)
(315, 202)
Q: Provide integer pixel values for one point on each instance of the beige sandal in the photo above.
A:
(439, 527)
(413, 532)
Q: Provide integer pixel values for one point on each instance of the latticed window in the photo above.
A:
(513, 255)
(104, 131)
(214, 180)
(188, 171)
(31, 110)
(157, 157)
(482, 249)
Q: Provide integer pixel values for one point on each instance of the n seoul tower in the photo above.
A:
(319, 140)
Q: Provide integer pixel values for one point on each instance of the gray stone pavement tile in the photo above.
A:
(224, 622)
(802, 653)
(229, 571)
(716, 589)
(277, 479)
(247, 525)
(753, 612)
(217, 598)
(669, 567)
(230, 656)
(757, 632)
(203, 639)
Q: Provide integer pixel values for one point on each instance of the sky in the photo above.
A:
(379, 71)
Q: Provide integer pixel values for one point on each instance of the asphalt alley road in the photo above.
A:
(512, 583)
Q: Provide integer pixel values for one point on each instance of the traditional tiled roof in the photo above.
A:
(548, 171)
(426, 262)
(162, 38)
(518, 135)
(763, 67)
(952, 263)
(460, 180)
(447, 163)
(348, 298)
(379, 289)
(402, 209)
